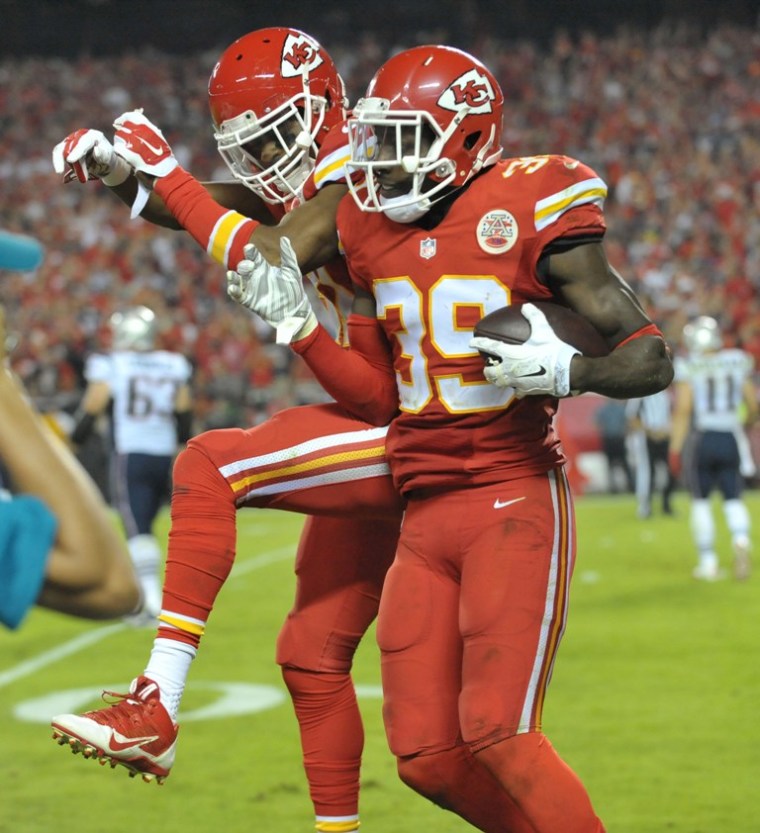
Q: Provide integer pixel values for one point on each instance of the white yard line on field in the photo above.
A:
(84, 640)
(29, 666)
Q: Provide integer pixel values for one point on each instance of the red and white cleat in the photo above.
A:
(135, 731)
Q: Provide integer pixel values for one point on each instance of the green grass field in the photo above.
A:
(654, 701)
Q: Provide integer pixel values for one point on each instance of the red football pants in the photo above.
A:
(313, 460)
(471, 617)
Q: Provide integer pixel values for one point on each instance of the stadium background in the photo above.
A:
(661, 98)
(654, 699)
(106, 27)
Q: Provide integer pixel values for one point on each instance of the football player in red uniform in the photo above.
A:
(274, 95)
(442, 230)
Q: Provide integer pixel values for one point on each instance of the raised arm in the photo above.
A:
(182, 202)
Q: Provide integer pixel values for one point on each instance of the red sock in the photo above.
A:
(550, 794)
(201, 546)
(332, 738)
(455, 780)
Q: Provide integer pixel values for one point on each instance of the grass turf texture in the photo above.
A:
(653, 701)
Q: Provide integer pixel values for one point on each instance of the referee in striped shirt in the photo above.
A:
(650, 424)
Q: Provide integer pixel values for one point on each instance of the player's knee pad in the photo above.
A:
(195, 474)
(304, 642)
(318, 687)
(192, 464)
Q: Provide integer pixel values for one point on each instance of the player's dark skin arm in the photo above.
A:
(585, 280)
(310, 226)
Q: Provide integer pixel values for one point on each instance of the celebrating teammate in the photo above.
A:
(440, 231)
(147, 394)
(713, 385)
(276, 99)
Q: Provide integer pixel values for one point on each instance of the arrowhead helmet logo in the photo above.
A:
(300, 56)
(472, 90)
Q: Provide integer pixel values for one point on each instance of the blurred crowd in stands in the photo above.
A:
(670, 118)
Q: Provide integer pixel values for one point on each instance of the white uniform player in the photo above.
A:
(147, 391)
(715, 397)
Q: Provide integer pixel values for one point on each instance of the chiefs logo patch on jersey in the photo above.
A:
(497, 232)
(300, 56)
(472, 90)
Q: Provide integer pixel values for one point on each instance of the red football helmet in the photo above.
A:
(274, 85)
(436, 112)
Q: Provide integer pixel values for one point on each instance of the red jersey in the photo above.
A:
(432, 286)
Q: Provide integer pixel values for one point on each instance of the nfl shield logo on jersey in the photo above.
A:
(427, 248)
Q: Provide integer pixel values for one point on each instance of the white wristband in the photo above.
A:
(120, 171)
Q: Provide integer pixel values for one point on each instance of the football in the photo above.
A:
(510, 326)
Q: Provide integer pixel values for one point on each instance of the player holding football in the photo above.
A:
(441, 231)
(318, 460)
(276, 99)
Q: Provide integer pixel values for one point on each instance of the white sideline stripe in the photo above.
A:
(84, 640)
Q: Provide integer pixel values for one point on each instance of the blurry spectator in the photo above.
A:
(685, 226)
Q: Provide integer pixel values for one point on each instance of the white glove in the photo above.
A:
(275, 293)
(541, 365)
(138, 141)
(87, 154)
(143, 145)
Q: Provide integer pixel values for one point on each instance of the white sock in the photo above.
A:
(169, 665)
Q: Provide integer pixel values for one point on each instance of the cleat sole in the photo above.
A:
(91, 752)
